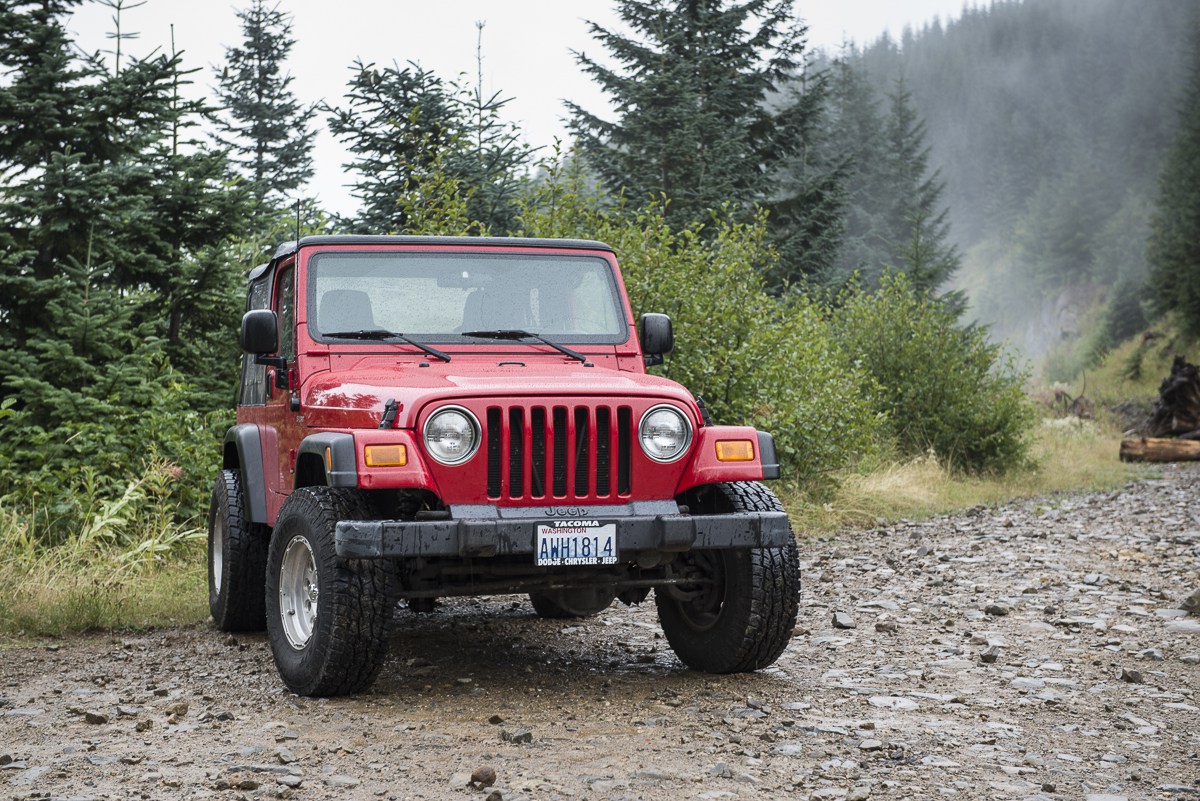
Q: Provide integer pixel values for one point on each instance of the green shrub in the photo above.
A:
(59, 477)
(755, 360)
(944, 388)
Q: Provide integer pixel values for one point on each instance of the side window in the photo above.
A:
(254, 376)
(286, 308)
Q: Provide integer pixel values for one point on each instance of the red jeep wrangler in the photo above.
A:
(423, 417)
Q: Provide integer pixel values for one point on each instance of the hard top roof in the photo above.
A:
(287, 248)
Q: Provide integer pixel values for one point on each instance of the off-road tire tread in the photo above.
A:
(758, 639)
(355, 615)
(244, 569)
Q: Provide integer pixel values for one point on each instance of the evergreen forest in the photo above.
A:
(872, 226)
(1049, 122)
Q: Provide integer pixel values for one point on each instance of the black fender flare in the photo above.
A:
(246, 447)
(336, 454)
(766, 453)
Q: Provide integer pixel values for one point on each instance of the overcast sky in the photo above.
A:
(527, 48)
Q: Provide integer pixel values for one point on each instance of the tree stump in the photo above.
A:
(1177, 410)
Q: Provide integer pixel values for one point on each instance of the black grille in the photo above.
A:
(559, 437)
(561, 452)
(581, 450)
(495, 445)
(624, 436)
(537, 482)
(603, 450)
(516, 453)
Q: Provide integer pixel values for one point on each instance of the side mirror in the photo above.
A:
(657, 337)
(260, 332)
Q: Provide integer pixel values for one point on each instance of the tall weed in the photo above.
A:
(127, 550)
(124, 530)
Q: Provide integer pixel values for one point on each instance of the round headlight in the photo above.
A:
(665, 433)
(452, 435)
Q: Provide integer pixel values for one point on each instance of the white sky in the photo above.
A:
(527, 48)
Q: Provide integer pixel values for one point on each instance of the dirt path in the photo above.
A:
(1029, 651)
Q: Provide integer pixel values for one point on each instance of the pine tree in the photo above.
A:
(491, 155)
(264, 126)
(403, 124)
(857, 136)
(1173, 251)
(694, 93)
(916, 220)
(889, 214)
(113, 226)
(188, 236)
(808, 205)
(396, 120)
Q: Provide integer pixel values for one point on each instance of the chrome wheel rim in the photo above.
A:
(216, 553)
(299, 592)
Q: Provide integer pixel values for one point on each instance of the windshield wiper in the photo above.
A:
(516, 333)
(380, 333)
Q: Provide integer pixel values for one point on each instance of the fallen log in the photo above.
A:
(1157, 449)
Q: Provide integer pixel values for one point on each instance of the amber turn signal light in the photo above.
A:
(386, 455)
(735, 450)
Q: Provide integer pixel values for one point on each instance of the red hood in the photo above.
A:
(355, 398)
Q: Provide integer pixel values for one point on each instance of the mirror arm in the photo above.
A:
(282, 379)
(271, 361)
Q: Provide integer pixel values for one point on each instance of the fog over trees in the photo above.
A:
(1049, 121)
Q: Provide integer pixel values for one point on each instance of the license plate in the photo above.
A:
(576, 542)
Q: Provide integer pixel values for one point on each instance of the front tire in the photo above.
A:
(744, 617)
(237, 559)
(328, 619)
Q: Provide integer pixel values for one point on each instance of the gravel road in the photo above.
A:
(1028, 651)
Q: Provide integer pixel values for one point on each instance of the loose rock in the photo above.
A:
(1131, 676)
(483, 777)
(519, 736)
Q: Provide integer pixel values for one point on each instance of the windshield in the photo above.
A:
(438, 296)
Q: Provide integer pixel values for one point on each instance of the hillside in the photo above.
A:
(1049, 120)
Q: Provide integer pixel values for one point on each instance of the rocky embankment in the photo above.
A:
(1031, 651)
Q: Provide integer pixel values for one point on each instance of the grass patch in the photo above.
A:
(127, 564)
(1068, 455)
(55, 598)
(1134, 370)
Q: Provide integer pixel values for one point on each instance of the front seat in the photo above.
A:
(496, 308)
(345, 310)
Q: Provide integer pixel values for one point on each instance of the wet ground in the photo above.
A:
(1031, 651)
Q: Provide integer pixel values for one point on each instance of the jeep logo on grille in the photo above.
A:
(565, 511)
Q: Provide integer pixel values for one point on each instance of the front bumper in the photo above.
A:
(485, 531)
